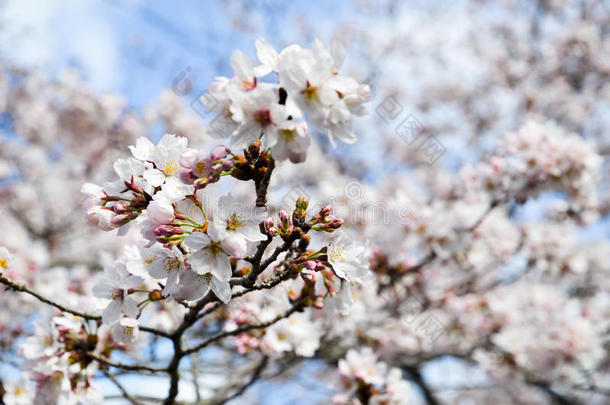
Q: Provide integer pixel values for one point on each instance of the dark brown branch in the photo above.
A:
(132, 367)
(23, 288)
(253, 378)
(262, 185)
(417, 378)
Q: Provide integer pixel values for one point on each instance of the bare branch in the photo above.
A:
(118, 384)
(132, 367)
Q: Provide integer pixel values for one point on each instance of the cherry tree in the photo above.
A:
(217, 257)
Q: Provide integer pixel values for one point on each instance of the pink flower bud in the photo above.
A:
(186, 176)
(160, 212)
(310, 264)
(269, 226)
(120, 220)
(308, 276)
(168, 230)
(284, 216)
(101, 217)
(95, 194)
(188, 158)
(219, 152)
(336, 222)
(326, 210)
(120, 207)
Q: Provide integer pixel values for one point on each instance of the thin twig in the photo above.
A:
(133, 367)
(23, 288)
(255, 376)
(118, 384)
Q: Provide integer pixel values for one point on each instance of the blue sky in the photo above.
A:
(138, 48)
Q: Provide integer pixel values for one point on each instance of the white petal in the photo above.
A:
(103, 290)
(154, 177)
(201, 261)
(265, 53)
(252, 233)
(143, 149)
(222, 289)
(234, 244)
(175, 189)
(196, 241)
(222, 267)
(242, 66)
(112, 313)
(246, 133)
(130, 308)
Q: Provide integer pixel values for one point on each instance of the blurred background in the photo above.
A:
(102, 73)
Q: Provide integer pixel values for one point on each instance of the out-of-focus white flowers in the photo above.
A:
(367, 380)
(540, 157)
(297, 333)
(5, 258)
(51, 361)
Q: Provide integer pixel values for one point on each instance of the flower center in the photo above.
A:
(128, 330)
(263, 117)
(338, 254)
(249, 85)
(117, 293)
(200, 168)
(3, 263)
(171, 264)
(214, 248)
(288, 134)
(170, 167)
(150, 260)
(235, 222)
(311, 93)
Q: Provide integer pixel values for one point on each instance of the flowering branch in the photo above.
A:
(23, 288)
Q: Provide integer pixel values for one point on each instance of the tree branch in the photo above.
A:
(118, 384)
(419, 381)
(244, 328)
(23, 288)
(132, 367)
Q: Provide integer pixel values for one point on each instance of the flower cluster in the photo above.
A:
(307, 83)
(540, 157)
(195, 247)
(366, 380)
(57, 360)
